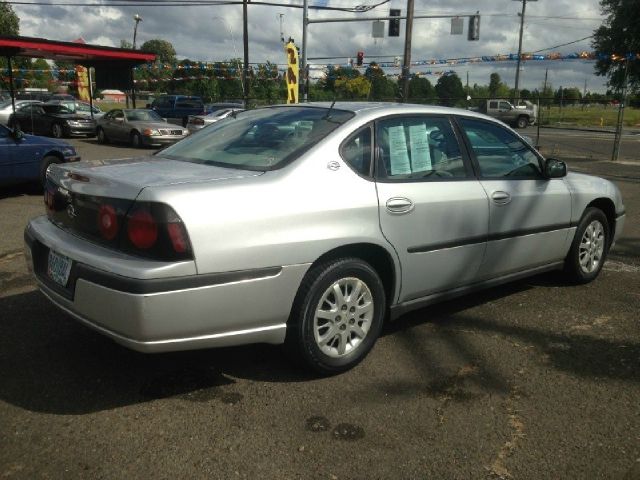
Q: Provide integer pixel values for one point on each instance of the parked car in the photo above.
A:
(25, 158)
(50, 119)
(520, 116)
(139, 127)
(6, 108)
(62, 96)
(78, 107)
(198, 122)
(177, 108)
(309, 225)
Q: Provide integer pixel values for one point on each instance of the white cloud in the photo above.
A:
(198, 33)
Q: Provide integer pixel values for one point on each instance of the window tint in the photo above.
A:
(419, 147)
(356, 151)
(505, 106)
(189, 104)
(493, 104)
(118, 114)
(260, 139)
(499, 152)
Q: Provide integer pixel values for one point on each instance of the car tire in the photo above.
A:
(136, 140)
(328, 330)
(57, 131)
(102, 137)
(46, 161)
(589, 248)
(522, 122)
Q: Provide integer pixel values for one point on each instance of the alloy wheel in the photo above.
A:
(591, 247)
(343, 317)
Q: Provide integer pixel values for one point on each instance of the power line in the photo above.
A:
(191, 3)
(564, 44)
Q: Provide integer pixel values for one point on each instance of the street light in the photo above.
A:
(138, 19)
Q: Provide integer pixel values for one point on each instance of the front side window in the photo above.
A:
(261, 139)
(142, 116)
(499, 152)
(419, 147)
(505, 106)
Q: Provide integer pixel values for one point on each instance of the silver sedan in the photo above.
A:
(311, 225)
(6, 108)
(139, 127)
(198, 122)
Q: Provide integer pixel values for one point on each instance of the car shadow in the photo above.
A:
(29, 188)
(50, 363)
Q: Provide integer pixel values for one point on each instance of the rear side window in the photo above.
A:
(356, 151)
(419, 147)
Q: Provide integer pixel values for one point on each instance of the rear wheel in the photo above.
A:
(57, 131)
(46, 161)
(522, 122)
(337, 315)
(589, 248)
(136, 140)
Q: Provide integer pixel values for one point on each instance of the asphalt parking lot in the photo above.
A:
(534, 380)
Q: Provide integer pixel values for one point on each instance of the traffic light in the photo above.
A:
(474, 28)
(360, 58)
(394, 25)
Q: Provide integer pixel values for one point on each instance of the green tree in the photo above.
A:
(353, 88)
(126, 44)
(163, 49)
(495, 83)
(382, 88)
(450, 90)
(420, 89)
(328, 81)
(9, 21)
(619, 34)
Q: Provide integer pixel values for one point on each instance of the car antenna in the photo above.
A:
(328, 115)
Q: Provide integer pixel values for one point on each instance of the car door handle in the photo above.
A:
(399, 205)
(500, 197)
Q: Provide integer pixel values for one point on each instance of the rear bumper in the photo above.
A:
(167, 313)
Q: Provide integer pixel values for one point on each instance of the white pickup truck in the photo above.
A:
(520, 116)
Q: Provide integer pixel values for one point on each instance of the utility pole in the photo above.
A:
(303, 67)
(245, 42)
(539, 119)
(517, 89)
(406, 66)
(618, 137)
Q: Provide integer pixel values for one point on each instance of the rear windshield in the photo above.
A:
(261, 139)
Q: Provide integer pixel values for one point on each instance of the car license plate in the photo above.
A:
(59, 268)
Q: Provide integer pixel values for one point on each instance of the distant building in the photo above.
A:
(116, 96)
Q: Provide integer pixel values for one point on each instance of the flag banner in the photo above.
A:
(292, 72)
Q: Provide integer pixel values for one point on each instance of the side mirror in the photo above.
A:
(554, 168)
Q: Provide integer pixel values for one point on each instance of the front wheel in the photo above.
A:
(337, 315)
(589, 248)
(136, 140)
(102, 137)
(57, 131)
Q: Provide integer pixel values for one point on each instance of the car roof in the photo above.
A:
(377, 109)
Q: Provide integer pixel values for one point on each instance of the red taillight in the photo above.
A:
(178, 237)
(49, 197)
(197, 121)
(108, 222)
(142, 229)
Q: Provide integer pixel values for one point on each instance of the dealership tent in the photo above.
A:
(113, 66)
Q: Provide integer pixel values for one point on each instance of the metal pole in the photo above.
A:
(11, 90)
(539, 119)
(245, 42)
(90, 90)
(407, 52)
(303, 66)
(618, 137)
(517, 89)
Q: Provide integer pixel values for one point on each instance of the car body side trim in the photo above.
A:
(402, 308)
(158, 285)
(489, 238)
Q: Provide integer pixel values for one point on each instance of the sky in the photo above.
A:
(209, 33)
